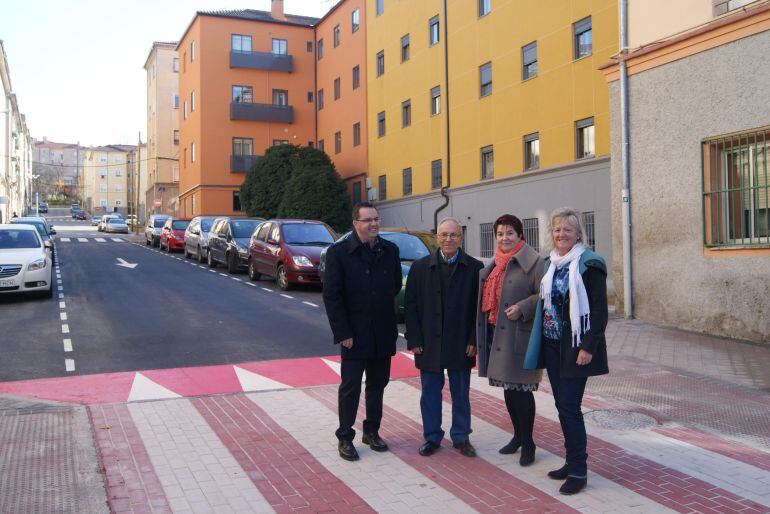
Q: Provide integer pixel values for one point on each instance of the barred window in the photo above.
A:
(736, 189)
(590, 232)
(532, 232)
(487, 239)
(383, 192)
(435, 174)
(406, 181)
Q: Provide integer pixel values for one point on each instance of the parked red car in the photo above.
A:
(289, 251)
(172, 234)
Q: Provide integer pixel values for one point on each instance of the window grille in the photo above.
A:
(487, 239)
(590, 231)
(532, 232)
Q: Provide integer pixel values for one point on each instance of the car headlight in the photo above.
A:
(302, 261)
(36, 265)
(243, 251)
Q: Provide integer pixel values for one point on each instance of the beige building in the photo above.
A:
(162, 187)
(105, 179)
(58, 166)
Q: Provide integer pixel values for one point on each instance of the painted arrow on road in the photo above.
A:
(125, 264)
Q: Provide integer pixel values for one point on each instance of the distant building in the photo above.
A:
(59, 167)
(105, 179)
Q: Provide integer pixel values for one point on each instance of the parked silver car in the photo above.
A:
(152, 230)
(116, 226)
(196, 237)
(103, 222)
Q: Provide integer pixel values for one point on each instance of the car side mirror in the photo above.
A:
(52, 231)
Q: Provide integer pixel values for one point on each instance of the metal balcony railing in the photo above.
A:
(261, 61)
(261, 112)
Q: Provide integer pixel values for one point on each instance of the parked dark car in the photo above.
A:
(412, 245)
(172, 234)
(229, 242)
(196, 237)
(42, 207)
(289, 251)
(78, 214)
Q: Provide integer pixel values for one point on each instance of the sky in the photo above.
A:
(77, 66)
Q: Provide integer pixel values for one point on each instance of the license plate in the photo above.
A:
(7, 283)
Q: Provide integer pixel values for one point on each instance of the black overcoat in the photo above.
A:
(444, 342)
(359, 297)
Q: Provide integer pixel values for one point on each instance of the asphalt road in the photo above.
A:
(165, 312)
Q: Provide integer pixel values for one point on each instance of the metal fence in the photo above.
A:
(532, 232)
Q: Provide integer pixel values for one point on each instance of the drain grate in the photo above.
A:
(616, 419)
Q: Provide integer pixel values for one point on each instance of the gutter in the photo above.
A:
(448, 153)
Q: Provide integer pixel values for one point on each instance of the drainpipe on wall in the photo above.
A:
(626, 191)
(446, 114)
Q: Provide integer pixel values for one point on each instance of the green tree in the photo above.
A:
(263, 188)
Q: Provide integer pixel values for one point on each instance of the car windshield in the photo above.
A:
(410, 247)
(206, 225)
(39, 225)
(159, 222)
(307, 234)
(244, 228)
(15, 239)
(179, 225)
(116, 221)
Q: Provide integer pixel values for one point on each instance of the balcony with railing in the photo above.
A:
(261, 61)
(242, 163)
(261, 112)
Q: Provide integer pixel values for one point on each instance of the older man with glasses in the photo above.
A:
(362, 279)
(440, 306)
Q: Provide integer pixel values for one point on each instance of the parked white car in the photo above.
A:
(25, 263)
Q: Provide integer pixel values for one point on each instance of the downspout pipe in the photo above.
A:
(628, 295)
(446, 117)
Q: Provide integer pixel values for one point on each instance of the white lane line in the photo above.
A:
(58, 275)
(58, 281)
(69, 364)
(117, 239)
(223, 274)
(61, 295)
(236, 279)
(65, 240)
(65, 329)
(100, 240)
(68, 345)
(82, 239)
(250, 284)
(63, 316)
(213, 270)
(178, 258)
(310, 304)
(268, 290)
(201, 266)
(287, 296)
(62, 305)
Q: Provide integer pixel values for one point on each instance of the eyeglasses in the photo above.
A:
(453, 237)
(369, 220)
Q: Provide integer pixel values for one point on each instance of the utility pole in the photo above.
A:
(137, 166)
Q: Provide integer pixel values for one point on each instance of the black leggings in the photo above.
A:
(521, 408)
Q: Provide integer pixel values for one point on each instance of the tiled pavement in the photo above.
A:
(198, 440)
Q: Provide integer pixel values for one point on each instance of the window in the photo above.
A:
(485, 79)
(309, 46)
(337, 88)
(102, 188)
(118, 172)
(175, 65)
(435, 101)
(355, 20)
(356, 134)
(309, 97)
(184, 110)
(236, 201)
(192, 51)
(192, 101)
(337, 142)
(320, 99)
(532, 151)
(103, 202)
(243, 94)
(242, 146)
(192, 152)
(336, 34)
(321, 145)
(280, 46)
(435, 174)
(487, 162)
(118, 203)
(280, 97)
(175, 100)
(406, 113)
(484, 7)
(529, 61)
(582, 38)
(279, 142)
(584, 138)
(405, 48)
(380, 7)
(380, 62)
(356, 77)
(406, 181)
(433, 31)
(487, 237)
(381, 124)
(176, 137)
(532, 232)
(736, 182)
(382, 184)
(320, 46)
(356, 192)
(240, 43)
(590, 230)
(118, 188)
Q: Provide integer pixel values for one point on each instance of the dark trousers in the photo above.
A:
(377, 377)
(521, 409)
(431, 405)
(568, 396)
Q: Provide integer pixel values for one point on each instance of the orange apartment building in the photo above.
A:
(251, 79)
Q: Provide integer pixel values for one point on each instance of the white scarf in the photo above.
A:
(579, 310)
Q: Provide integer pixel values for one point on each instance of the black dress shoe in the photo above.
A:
(347, 451)
(466, 448)
(527, 455)
(375, 442)
(511, 448)
(558, 474)
(429, 448)
(573, 485)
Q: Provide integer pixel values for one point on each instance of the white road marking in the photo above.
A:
(287, 296)
(69, 364)
(62, 305)
(250, 284)
(223, 274)
(213, 270)
(61, 295)
(68, 345)
(82, 239)
(310, 304)
(65, 240)
(117, 239)
(63, 316)
(100, 240)
(201, 266)
(268, 290)
(178, 258)
(125, 264)
(58, 281)
(236, 279)
(65, 329)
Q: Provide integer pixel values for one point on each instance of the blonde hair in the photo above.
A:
(573, 216)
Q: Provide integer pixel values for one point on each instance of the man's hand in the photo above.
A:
(513, 312)
(417, 350)
(347, 343)
(584, 358)
(470, 350)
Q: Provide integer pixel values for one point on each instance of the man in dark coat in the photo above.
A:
(362, 279)
(440, 305)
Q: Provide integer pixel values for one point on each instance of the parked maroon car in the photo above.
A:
(289, 251)
(172, 234)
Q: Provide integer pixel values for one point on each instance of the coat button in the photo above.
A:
(506, 305)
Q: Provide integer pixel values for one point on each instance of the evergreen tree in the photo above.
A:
(263, 188)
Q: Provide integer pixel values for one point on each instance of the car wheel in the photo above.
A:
(201, 255)
(282, 279)
(211, 261)
(253, 275)
(156, 243)
(232, 263)
(168, 246)
(147, 242)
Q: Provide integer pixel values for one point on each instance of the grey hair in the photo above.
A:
(449, 218)
(573, 216)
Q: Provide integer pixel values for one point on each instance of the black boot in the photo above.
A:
(573, 485)
(558, 474)
(527, 454)
(347, 450)
(512, 446)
